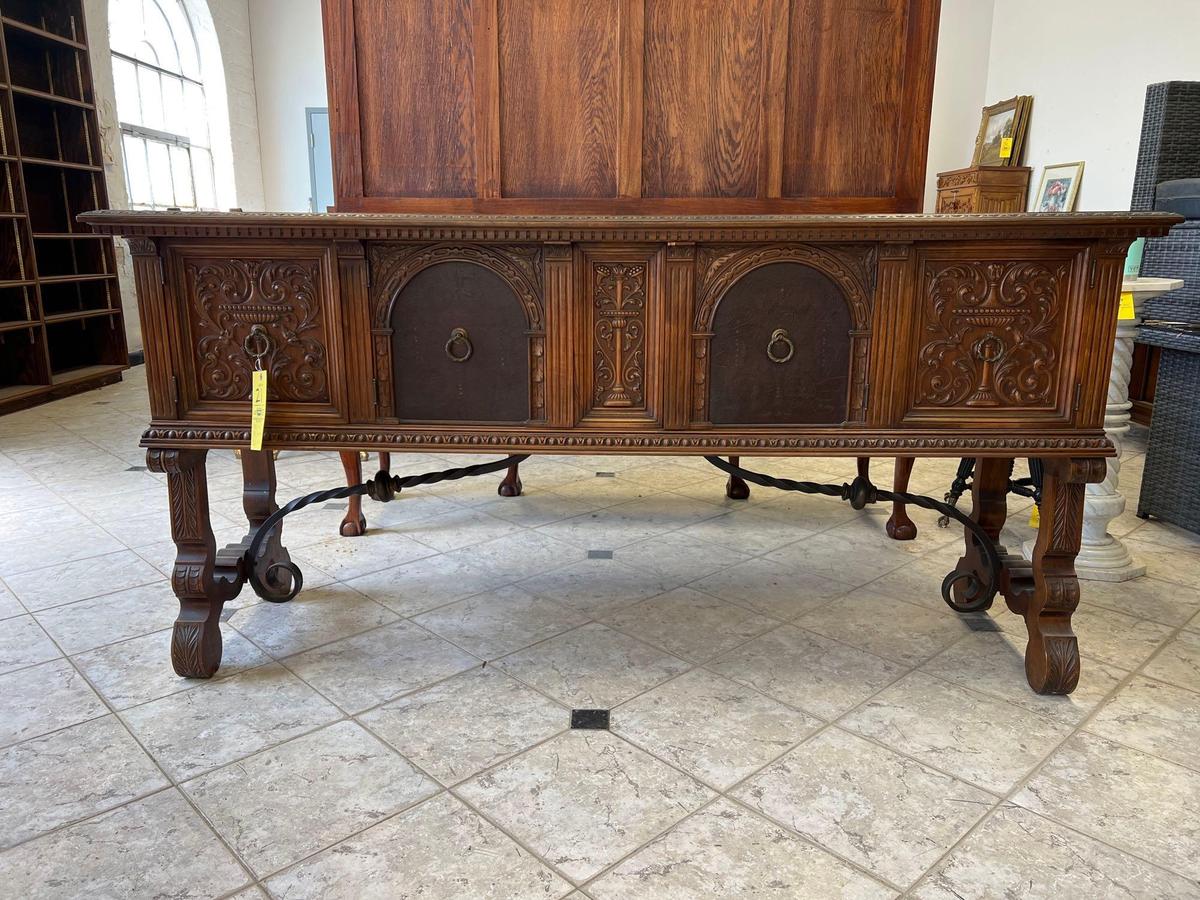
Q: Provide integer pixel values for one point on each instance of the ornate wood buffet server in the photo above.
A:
(977, 336)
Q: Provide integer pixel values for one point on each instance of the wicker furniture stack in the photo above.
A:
(1170, 150)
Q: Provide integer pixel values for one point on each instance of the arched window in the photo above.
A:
(161, 105)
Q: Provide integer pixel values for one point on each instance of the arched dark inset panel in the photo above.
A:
(492, 383)
(745, 385)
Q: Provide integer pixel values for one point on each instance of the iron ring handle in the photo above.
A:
(780, 336)
(257, 343)
(459, 336)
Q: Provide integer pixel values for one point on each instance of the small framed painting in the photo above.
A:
(1001, 135)
(1059, 186)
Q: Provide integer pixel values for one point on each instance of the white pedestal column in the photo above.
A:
(1103, 557)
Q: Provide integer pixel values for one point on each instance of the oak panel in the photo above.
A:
(846, 125)
(416, 84)
(704, 65)
(559, 97)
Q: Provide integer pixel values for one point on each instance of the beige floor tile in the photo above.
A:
(1168, 535)
(592, 667)
(362, 671)
(33, 551)
(69, 775)
(631, 521)
(1165, 563)
(895, 630)
(826, 555)
(1115, 638)
(24, 643)
(1129, 799)
(427, 583)
(154, 847)
(1158, 718)
(710, 727)
(727, 851)
(748, 534)
(689, 623)
(1144, 598)
(980, 739)
(87, 624)
(316, 616)
(221, 721)
(584, 799)
(465, 724)
(536, 506)
(44, 698)
(139, 670)
(920, 582)
(771, 589)
(522, 555)
(993, 663)
(500, 622)
(679, 556)
(10, 606)
(803, 669)
(594, 587)
(458, 528)
(887, 813)
(337, 781)
(58, 585)
(345, 558)
(1178, 662)
(439, 850)
(805, 512)
(1017, 854)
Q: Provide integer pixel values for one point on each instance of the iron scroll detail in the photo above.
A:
(858, 493)
(272, 583)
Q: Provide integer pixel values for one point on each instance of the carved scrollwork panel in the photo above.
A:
(988, 334)
(229, 297)
(618, 335)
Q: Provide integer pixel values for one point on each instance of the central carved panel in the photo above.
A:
(618, 335)
(989, 334)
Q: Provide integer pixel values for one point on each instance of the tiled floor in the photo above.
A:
(795, 714)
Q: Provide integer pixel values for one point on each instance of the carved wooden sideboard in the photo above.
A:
(976, 336)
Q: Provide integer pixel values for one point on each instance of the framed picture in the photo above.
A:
(1059, 186)
(1002, 132)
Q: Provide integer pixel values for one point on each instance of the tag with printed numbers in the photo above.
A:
(258, 407)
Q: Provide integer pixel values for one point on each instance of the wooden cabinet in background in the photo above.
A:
(983, 189)
(630, 106)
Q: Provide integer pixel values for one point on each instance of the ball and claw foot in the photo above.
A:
(352, 527)
(900, 527)
(511, 485)
(736, 488)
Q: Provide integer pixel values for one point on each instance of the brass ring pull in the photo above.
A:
(780, 336)
(257, 343)
(459, 336)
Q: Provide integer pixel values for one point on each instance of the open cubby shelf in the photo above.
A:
(61, 327)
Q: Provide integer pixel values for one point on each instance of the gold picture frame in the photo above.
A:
(1059, 187)
(1006, 119)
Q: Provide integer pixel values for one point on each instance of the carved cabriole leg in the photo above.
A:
(196, 640)
(511, 485)
(899, 526)
(1048, 599)
(736, 488)
(989, 497)
(258, 500)
(354, 523)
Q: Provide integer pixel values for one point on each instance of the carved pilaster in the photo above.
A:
(680, 287)
(559, 358)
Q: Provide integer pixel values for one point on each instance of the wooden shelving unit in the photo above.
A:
(61, 328)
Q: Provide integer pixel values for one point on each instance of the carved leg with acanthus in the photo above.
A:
(899, 526)
(258, 501)
(1046, 592)
(989, 497)
(736, 488)
(200, 581)
(511, 485)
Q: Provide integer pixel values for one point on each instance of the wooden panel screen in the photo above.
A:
(562, 106)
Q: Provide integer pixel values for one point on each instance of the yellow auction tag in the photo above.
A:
(1126, 311)
(1035, 518)
(1006, 147)
(258, 407)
